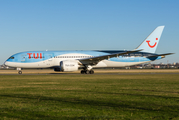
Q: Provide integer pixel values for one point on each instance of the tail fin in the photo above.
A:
(151, 42)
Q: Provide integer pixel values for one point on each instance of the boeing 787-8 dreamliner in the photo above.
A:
(64, 61)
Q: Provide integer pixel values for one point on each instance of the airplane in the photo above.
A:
(68, 61)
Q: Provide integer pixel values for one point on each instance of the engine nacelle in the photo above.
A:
(67, 66)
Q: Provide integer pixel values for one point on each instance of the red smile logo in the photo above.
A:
(151, 46)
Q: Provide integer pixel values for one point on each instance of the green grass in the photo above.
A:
(136, 97)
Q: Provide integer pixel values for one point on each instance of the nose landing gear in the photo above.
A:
(20, 72)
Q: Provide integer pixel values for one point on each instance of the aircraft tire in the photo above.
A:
(20, 72)
(91, 72)
(87, 71)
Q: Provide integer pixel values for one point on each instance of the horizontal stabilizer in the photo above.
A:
(163, 55)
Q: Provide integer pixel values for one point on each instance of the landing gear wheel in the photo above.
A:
(87, 71)
(91, 72)
(82, 72)
(20, 72)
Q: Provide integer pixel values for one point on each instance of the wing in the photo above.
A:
(95, 60)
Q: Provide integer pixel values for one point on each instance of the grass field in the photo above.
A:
(75, 96)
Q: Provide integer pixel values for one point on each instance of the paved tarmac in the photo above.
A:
(97, 72)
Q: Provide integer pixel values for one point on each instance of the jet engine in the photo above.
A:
(67, 66)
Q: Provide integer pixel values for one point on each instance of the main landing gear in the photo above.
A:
(87, 72)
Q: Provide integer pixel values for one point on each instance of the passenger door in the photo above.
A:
(23, 57)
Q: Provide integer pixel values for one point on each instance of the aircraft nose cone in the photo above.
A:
(5, 63)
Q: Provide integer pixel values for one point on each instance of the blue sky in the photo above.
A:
(86, 25)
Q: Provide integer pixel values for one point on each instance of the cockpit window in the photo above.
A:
(11, 57)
